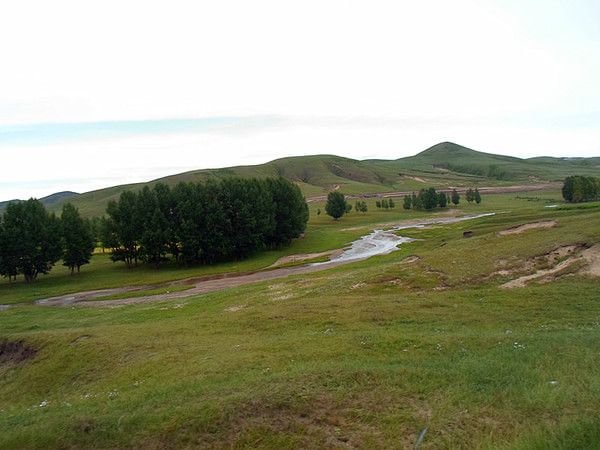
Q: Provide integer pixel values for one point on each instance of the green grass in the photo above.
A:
(364, 355)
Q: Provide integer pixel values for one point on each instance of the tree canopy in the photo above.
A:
(336, 205)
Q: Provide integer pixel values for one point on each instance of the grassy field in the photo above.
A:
(366, 355)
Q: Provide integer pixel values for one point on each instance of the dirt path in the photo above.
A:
(461, 190)
(202, 285)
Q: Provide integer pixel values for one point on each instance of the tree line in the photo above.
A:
(32, 240)
(192, 223)
(577, 189)
(429, 198)
(203, 222)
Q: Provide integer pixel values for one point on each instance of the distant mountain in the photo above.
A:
(444, 165)
(48, 201)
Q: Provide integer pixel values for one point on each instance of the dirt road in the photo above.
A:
(461, 190)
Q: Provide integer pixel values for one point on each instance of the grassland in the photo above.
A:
(361, 356)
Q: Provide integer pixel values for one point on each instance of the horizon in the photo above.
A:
(241, 84)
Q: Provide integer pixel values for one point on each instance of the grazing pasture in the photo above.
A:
(366, 355)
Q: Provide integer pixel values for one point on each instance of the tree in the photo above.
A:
(407, 202)
(429, 198)
(581, 189)
(442, 200)
(361, 206)
(477, 196)
(470, 195)
(385, 204)
(35, 238)
(378, 204)
(154, 233)
(417, 201)
(78, 239)
(125, 228)
(336, 205)
(8, 252)
(391, 203)
(455, 197)
(290, 211)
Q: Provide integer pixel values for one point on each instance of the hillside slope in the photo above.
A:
(443, 165)
(48, 201)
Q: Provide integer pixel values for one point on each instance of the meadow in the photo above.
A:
(422, 341)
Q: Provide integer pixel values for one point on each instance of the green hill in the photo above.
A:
(443, 165)
(48, 201)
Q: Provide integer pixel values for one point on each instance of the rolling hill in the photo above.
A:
(443, 165)
(48, 201)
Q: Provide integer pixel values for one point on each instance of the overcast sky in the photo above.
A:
(97, 93)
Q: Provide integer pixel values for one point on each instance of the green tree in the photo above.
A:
(391, 203)
(290, 212)
(581, 189)
(78, 239)
(455, 197)
(8, 251)
(35, 235)
(470, 195)
(125, 228)
(407, 204)
(429, 198)
(154, 228)
(336, 205)
(477, 196)
(442, 202)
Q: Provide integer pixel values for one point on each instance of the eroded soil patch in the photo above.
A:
(528, 226)
(565, 260)
(15, 352)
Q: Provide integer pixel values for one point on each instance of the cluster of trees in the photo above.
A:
(361, 206)
(386, 203)
(427, 199)
(577, 189)
(473, 196)
(203, 222)
(32, 240)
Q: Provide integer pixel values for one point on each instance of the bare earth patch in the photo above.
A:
(235, 308)
(15, 352)
(579, 259)
(304, 257)
(528, 226)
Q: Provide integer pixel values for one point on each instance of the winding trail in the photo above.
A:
(378, 242)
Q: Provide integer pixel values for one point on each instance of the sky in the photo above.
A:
(99, 93)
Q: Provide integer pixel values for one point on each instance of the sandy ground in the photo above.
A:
(528, 226)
